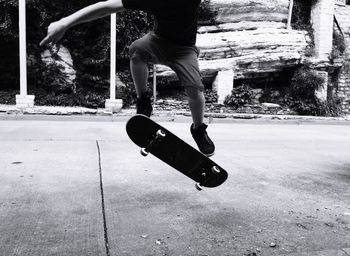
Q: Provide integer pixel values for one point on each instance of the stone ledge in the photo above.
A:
(51, 110)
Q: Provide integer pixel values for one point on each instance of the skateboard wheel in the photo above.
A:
(215, 170)
(199, 187)
(144, 152)
(160, 134)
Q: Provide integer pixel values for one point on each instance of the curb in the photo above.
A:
(11, 111)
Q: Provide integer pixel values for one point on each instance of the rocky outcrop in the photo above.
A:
(62, 58)
(252, 51)
(228, 11)
(248, 37)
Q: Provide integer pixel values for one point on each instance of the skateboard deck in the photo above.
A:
(155, 139)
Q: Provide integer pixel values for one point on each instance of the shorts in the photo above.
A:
(183, 60)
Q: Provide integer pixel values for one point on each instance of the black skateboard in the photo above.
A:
(155, 139)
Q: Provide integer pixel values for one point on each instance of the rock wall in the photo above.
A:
(249, 37)
(343, 17)
(250, 10)
(252, 51)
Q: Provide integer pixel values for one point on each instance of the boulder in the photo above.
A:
(63, 58)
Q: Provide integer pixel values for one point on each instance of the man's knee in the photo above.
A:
(193, 92)
(137, 53)
(139, 56)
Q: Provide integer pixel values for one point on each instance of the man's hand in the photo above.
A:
(55, 32)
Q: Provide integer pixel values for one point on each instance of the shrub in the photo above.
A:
(304, 83)
(206, 14)
(240, 96)
(316, 107)
(211, 96)
(302, 98)
(339, 45)
(301, 14)
(301, 20)
(303, 107)
(332, 107)
(8, 97)
(83, 98)
(9, 64)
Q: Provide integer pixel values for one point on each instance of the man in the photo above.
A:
(172, 43)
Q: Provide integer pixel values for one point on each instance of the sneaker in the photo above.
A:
(144, 106)
(204, 143)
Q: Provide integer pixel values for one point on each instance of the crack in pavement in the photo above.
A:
(103, 201)
(345, 251)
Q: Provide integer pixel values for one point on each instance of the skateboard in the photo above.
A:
(155, 139)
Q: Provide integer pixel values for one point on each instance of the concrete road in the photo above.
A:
(81, 188)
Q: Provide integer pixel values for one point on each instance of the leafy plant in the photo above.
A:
(83, 98)
(316, 107)
(211, 96)
(8, 97)
(305, 82)
(301, 15)
(301, 20)
(206, 14)
(332, 107)
(240, 96)
(339, 45)
(9, 65)
(302, 95)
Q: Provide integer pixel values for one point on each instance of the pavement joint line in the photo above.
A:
(105, 229)
(344, 250)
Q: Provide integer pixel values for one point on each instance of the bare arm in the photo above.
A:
(57, 29)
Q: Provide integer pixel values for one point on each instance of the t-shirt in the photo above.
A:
(175, 20)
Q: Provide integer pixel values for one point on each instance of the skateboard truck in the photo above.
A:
(160, 134)
(199, 185)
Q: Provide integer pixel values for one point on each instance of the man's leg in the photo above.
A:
(139, 71)
(196, 102)
(198, 129)
(140, 55)
(185, 64)
(143, 51)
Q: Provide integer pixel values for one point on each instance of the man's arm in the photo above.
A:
(57, 29)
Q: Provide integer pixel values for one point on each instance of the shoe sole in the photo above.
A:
(145, 114)
(209, 155)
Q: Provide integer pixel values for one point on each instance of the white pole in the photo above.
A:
(113, 104)
(113, 56)
(154, 84)
(290, 13)
(22, 47)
